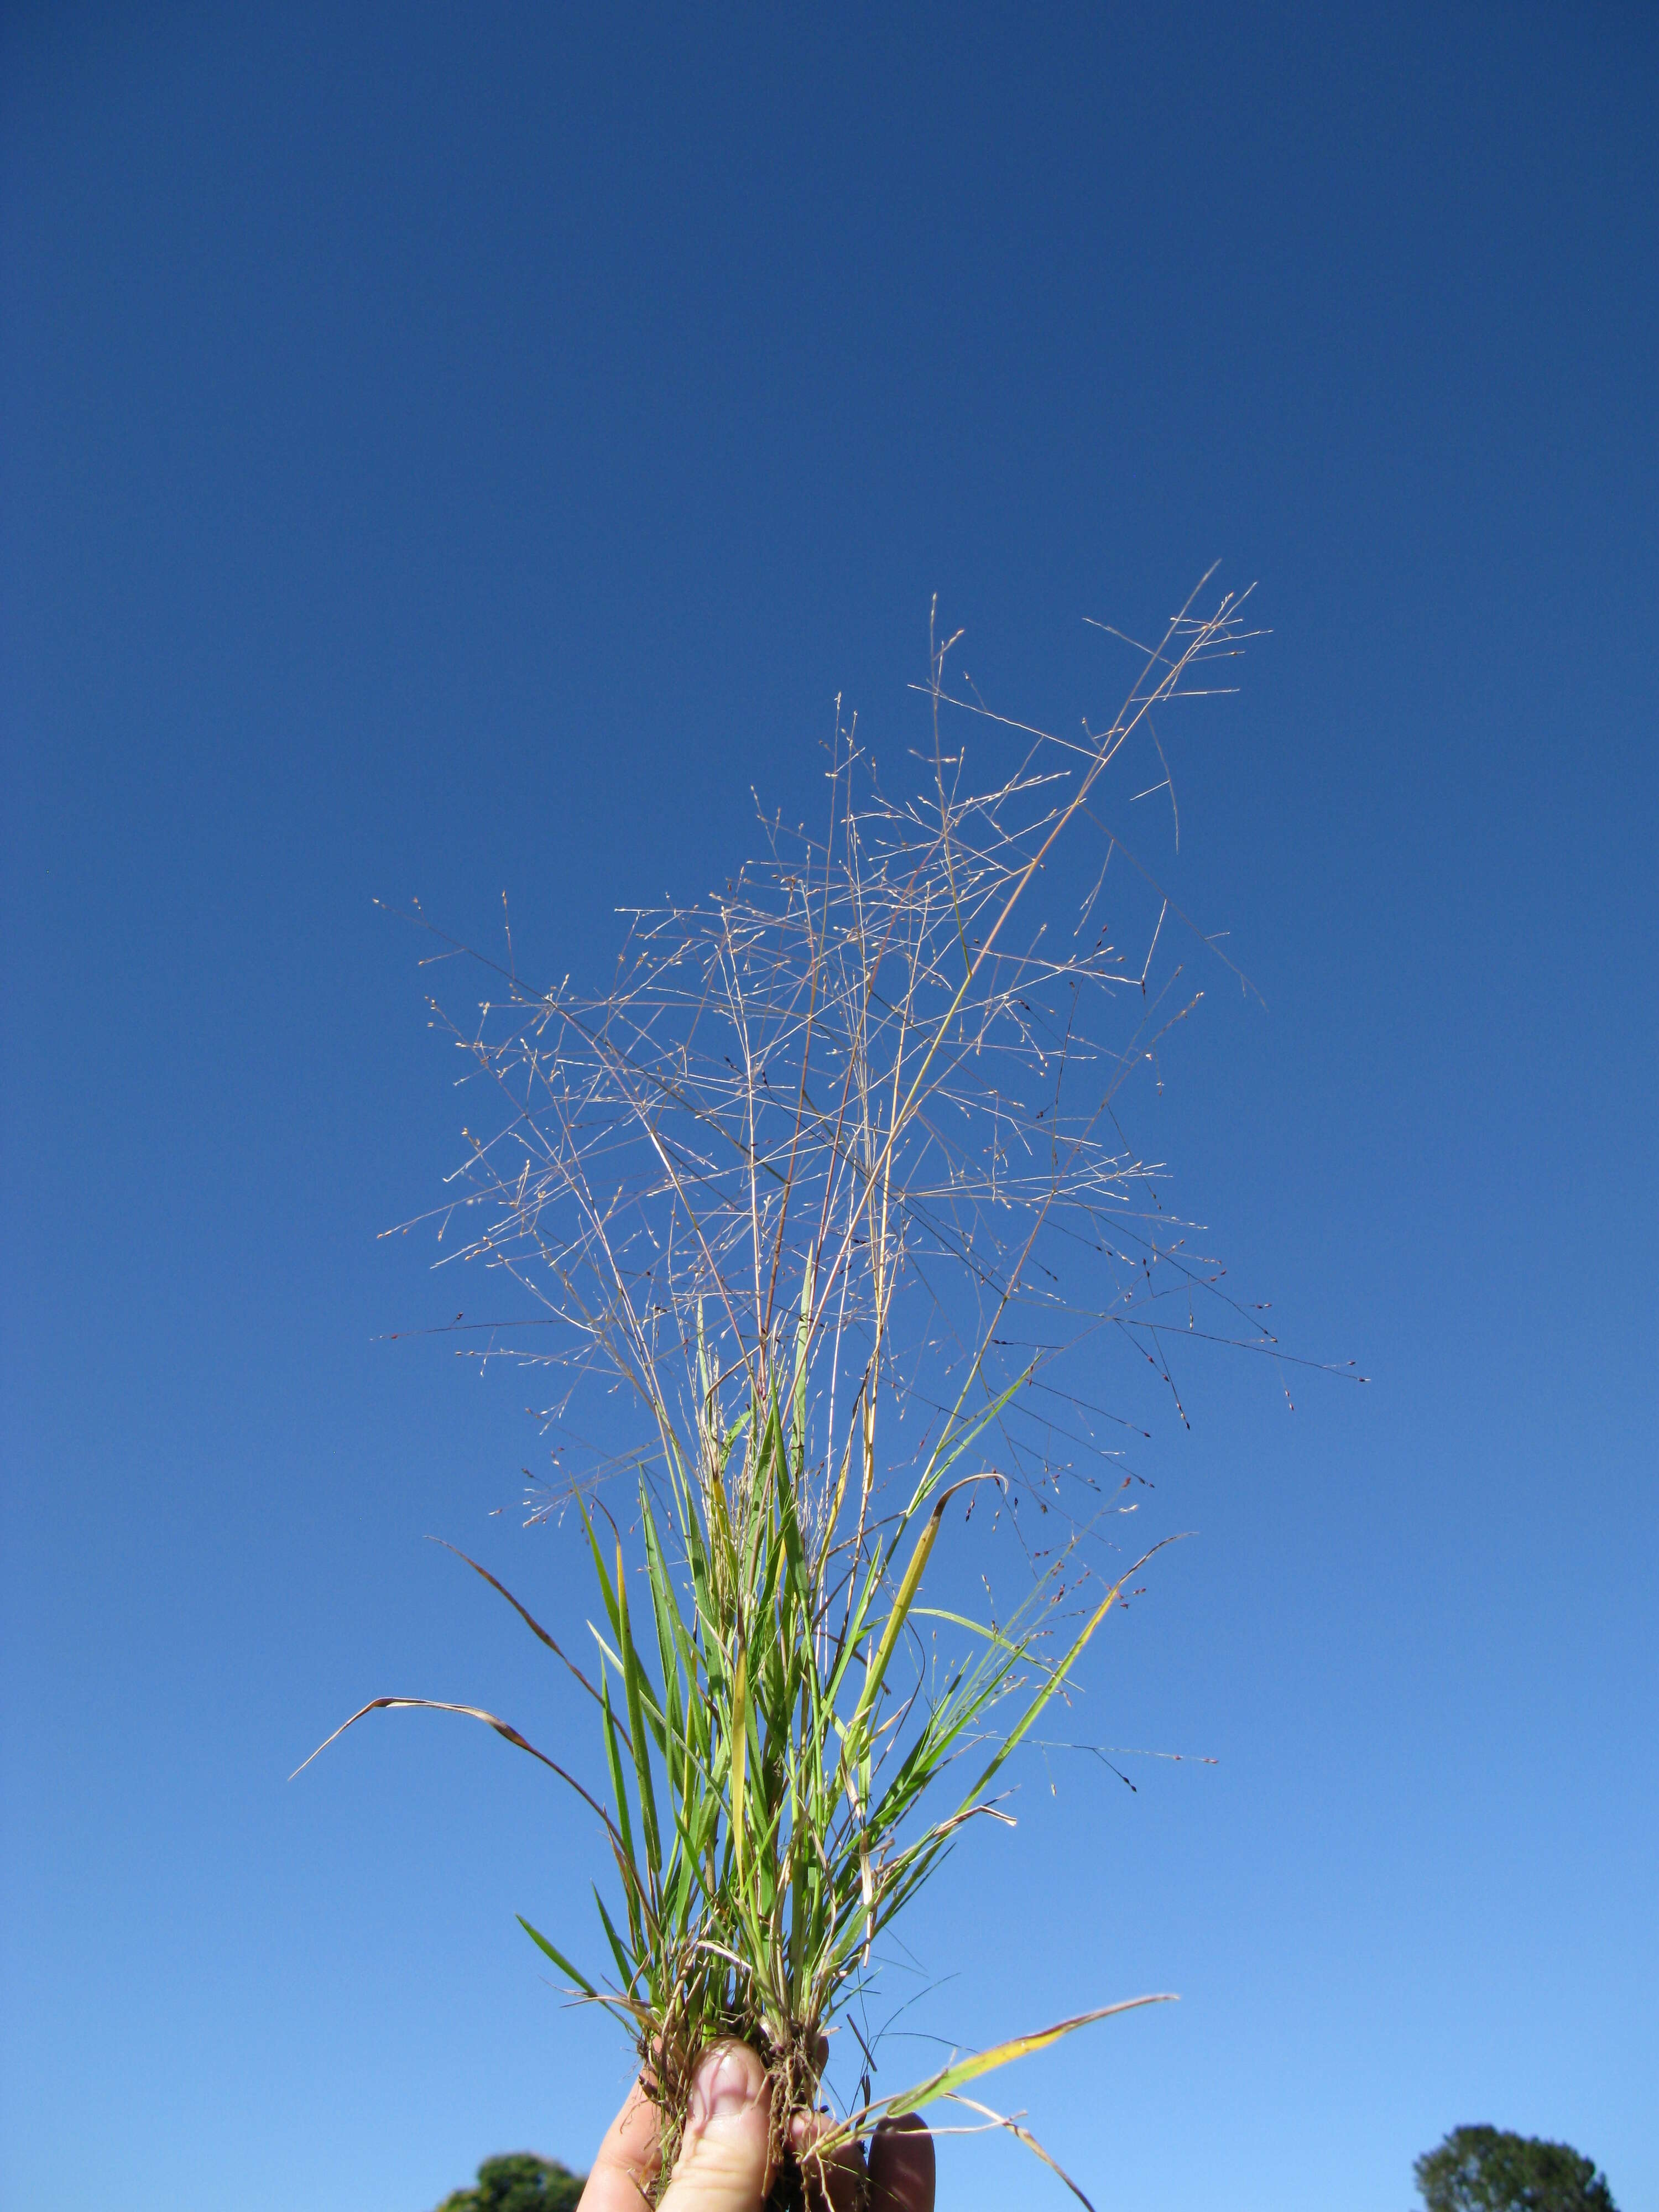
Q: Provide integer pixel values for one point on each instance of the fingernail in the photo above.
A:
(723, 2087)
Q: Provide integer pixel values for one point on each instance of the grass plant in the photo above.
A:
(832, 1184)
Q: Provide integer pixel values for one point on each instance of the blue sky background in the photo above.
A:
(456, 451)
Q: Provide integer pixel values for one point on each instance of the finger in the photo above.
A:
(836, 2182)
(725, 2162)
(628, 2160)
(902, 2167)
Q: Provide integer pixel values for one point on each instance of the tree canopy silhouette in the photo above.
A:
(1489, 2170)
(518, 2182)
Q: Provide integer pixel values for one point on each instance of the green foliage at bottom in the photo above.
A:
(1489, 2170)
(519, 2182)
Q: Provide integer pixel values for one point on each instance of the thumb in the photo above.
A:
(725, 2157)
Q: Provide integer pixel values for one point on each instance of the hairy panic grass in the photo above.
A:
(832, 1180)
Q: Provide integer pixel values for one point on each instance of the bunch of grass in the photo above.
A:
(833, 1180)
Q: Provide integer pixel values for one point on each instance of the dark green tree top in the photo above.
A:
(1487, 2170)
(519, 2182)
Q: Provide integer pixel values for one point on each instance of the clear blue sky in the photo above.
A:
(450, 451)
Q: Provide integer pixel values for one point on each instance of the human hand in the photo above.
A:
(725, 2163)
